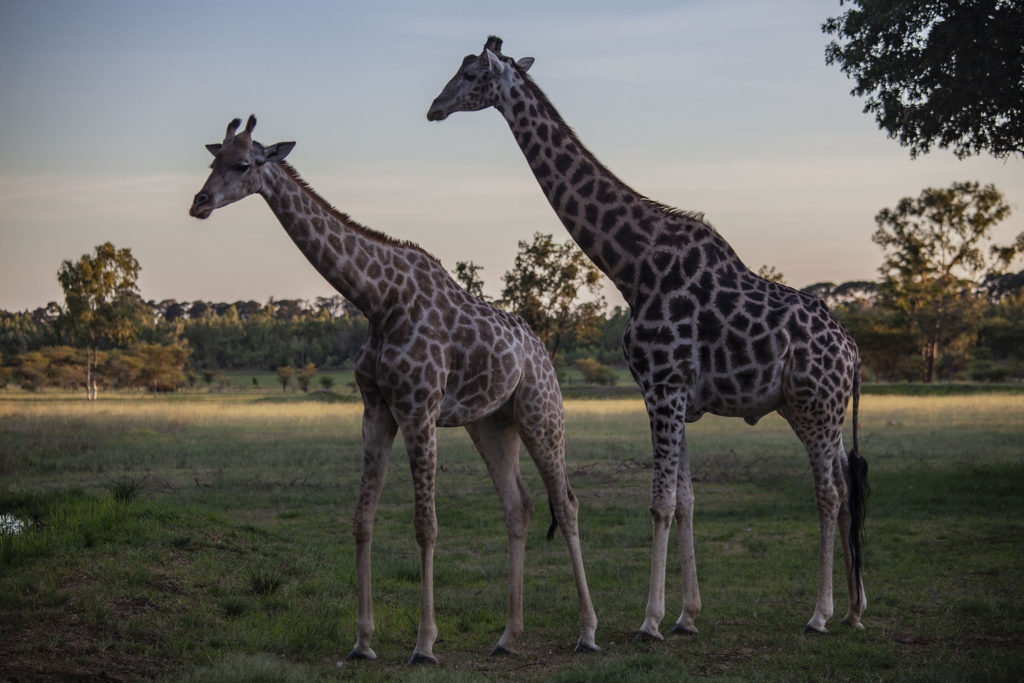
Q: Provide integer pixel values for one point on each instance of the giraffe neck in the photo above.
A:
(358, 262)
(615, 226)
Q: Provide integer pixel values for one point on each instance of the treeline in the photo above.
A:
(213, 336)
(203, 336)
(983, 342)
(248, 335)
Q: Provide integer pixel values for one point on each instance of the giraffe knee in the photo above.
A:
(426, 532)
(662, 515)
(828, 501)
(362, 528)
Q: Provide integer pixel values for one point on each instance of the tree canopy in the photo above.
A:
(467, 274)
(935, 259)
(101, 302)
(944, 72)
(544, 288)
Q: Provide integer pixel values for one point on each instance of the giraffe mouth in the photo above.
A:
(201, 206)
(437, 112)
(201, 212)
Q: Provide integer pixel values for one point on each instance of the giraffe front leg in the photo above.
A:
(666, 411)
(687, 556)
(379, 431)
(655, 610)
(421, 444)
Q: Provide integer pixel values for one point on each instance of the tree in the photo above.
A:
(305, 376)
(284, 375)
(946, 72)
(544, 287)
(101, 303)
(466, 274)
(771, 274)
(934, 260)
(161, 365)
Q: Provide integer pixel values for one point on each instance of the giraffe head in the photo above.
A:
(480, 81)
(236, 168)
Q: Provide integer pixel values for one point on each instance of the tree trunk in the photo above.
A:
(928, 361)
(90, 375)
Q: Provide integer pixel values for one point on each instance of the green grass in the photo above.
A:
(208, 538)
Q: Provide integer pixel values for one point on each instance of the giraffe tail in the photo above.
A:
(857, 485)
(551, 506)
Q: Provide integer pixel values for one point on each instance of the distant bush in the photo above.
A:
(143, 365)
(595, 372)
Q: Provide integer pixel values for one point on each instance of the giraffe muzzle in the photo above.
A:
(201, 206)
(436, 112)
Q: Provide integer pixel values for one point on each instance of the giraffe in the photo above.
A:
(705, 334)
(434, 356)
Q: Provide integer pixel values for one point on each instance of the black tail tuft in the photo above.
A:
(554, 521)
(859, 489)
(857, 473)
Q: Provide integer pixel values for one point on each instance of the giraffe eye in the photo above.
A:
(469, 77)
(240, 167)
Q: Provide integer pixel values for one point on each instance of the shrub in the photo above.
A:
(595, 372)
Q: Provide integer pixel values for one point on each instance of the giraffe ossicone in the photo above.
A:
(434, 356)
(705, 334)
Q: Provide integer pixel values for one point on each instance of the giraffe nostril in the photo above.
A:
(201, 198)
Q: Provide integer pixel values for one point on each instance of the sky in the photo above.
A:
(719, 106)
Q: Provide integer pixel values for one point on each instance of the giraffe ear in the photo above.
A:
(277, 152)
(525, 63)
(214, 148)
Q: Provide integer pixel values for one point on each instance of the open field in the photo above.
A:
(233, 558)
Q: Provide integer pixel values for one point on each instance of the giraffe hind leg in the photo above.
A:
(827, 495)
(547, 449)
(498, 445)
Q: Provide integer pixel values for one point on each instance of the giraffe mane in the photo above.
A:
(656, 205)
(372, 234)
(681, 213)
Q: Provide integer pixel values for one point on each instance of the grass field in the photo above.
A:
(207, 538)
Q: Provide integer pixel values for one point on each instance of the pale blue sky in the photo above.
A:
(720, 106)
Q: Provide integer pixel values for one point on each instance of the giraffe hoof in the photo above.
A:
(417, 658)
(810, 629)
(853, 624)
(356, 655)
(502, 651)
(586, 647)
(679, 629)
(645, 637)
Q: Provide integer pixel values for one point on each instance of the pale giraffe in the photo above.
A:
(434, 356)
(705, 334)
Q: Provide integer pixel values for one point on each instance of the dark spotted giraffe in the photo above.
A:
(705, 334)
(434, 356)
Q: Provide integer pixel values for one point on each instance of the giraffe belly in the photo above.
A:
(719, 397)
